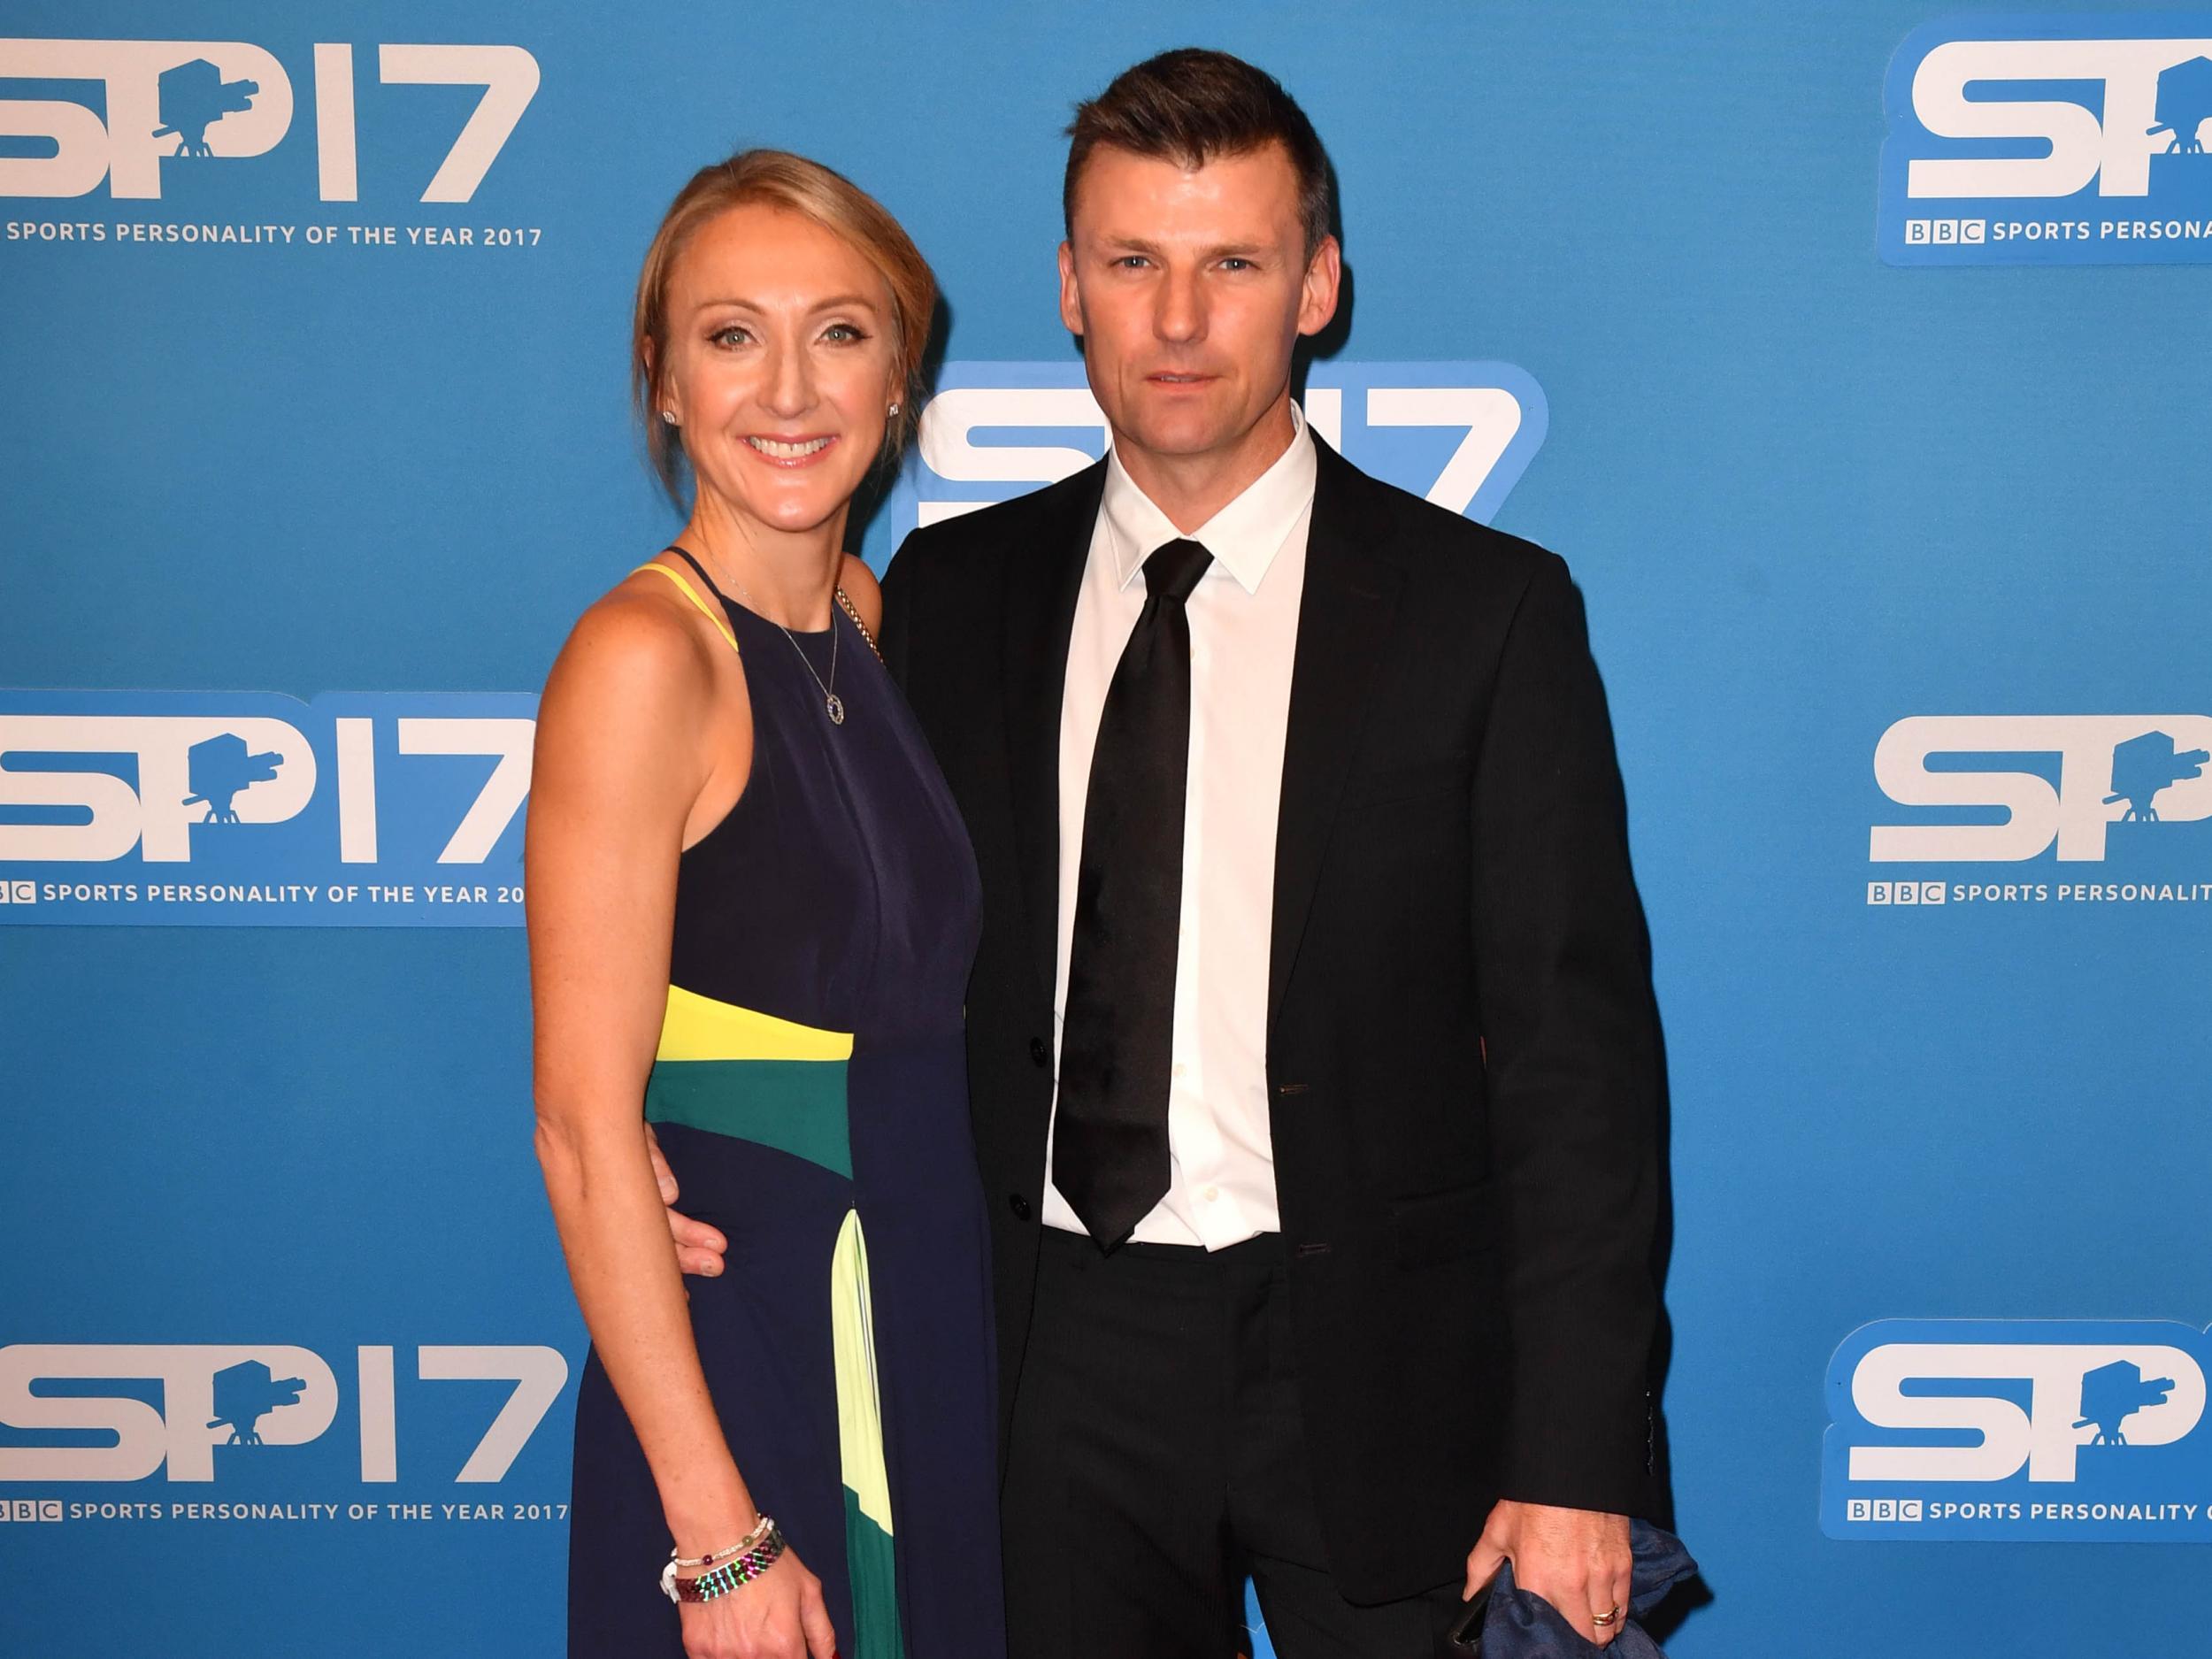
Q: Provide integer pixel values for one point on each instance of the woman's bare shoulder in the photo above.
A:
(641, 646)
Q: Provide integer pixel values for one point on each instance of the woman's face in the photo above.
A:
(779, 369)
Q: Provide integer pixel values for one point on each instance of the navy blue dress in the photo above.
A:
(811, 1094)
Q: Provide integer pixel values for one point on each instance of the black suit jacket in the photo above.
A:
(1463, 1061)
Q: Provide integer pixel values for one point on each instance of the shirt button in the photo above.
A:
(1179, 1068)
(1210, 1194)
(1038, 1052)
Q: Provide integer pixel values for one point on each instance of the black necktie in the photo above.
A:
(1110, 1155)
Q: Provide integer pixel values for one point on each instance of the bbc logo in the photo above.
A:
(1944, 233)
(19, 892)
(1905, 893)
(30, 1509)
(1883, 1510)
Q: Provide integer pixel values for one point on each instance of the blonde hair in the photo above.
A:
(782, 179)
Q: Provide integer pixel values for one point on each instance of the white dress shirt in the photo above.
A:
(1244, 633)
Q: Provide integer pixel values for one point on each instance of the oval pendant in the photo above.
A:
(836, 708)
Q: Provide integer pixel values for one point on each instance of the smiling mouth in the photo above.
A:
(1171, 378)
(776, 449)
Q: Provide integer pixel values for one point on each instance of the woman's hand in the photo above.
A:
(779, 1615)
(699, 1248)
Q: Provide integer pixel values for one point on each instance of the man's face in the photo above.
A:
(1190, 288)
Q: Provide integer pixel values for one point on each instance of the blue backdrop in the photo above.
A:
(1854, 357)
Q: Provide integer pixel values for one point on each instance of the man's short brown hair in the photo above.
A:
(1191, 105)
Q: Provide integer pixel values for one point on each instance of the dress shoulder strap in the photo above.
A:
(698, 570)
(720, 619)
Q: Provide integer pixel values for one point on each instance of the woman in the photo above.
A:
(752, 908)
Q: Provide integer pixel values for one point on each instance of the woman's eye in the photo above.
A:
(731, 336)
(843, 332)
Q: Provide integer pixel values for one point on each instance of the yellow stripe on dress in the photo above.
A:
(721, 622)
(870, 1560)
(698, 1027)
(859, 1413)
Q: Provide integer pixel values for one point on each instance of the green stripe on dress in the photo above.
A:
(872, 1565)
(870, 1561)
(796, 1106)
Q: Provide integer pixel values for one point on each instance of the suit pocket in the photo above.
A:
(1389, 786)
(1446, 1226)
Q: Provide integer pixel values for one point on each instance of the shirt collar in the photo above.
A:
(1243, 537)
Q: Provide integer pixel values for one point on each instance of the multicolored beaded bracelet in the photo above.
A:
(714, 1558)
(731, 1575)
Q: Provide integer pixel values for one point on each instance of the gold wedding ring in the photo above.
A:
(1604, 1620)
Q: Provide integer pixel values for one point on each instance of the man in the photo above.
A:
(1310, 1040)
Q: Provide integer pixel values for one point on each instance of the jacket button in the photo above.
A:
(1019, 1205)
(1038, 1052)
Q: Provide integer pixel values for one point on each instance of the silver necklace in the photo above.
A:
(833, 704)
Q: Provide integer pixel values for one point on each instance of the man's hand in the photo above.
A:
(699, 1248)
(1578, 1560)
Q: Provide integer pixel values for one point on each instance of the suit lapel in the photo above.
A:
(1041, 584)
(1344, 621)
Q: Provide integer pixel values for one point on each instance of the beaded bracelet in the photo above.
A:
(731, 1575)
(714, 1558)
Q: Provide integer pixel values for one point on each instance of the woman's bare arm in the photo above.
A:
(623, 756)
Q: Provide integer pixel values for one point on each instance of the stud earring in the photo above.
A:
(669, 415)
(894, 409)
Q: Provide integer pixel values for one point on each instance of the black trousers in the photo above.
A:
(1158, 1457)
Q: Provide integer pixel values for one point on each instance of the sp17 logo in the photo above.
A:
(2065, 780)
(2018, 1428)
(2059, 139)
(214, 99)
(360, 809)
(1459, 433)
(214, 1396)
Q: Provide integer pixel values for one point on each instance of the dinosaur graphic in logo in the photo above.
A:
(2112, 1393)
(245, 1394)
(194, 97)
(218, 769)
(2144, 765)
(2185, 103)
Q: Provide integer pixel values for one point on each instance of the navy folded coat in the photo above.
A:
(1521, 1625)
